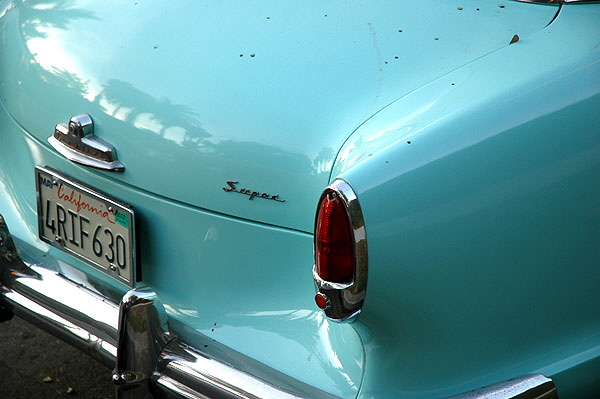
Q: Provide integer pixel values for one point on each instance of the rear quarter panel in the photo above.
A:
(480, 197)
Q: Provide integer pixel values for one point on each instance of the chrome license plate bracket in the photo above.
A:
(87, 224)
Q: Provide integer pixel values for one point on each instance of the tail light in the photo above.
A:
(340, 270)
(334, 241)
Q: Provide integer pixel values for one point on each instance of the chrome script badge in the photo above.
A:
(251, 194)
(77, 142)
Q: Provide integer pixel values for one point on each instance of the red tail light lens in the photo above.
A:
(341, 259)
(334, 240)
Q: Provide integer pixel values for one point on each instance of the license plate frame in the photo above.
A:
(108, 244)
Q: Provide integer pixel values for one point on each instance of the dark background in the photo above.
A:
(28, 356)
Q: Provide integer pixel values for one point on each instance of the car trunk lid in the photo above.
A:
(239, 109)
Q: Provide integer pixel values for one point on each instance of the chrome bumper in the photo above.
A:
(131, 333)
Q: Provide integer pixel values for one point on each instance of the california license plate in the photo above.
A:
(86, 223)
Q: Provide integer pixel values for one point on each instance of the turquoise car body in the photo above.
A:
(468, 130)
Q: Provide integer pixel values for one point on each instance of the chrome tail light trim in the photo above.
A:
(530, 386)
(345, 301)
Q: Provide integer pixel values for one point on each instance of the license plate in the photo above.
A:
(86, 223)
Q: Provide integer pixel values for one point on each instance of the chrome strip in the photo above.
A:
(183, 367)
(531, 386)
(177, 388)
(345, 300)
(549, 2)
(557, 2)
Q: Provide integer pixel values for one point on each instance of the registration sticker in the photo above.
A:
(86, 223)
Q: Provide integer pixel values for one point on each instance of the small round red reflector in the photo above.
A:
(321, 301)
